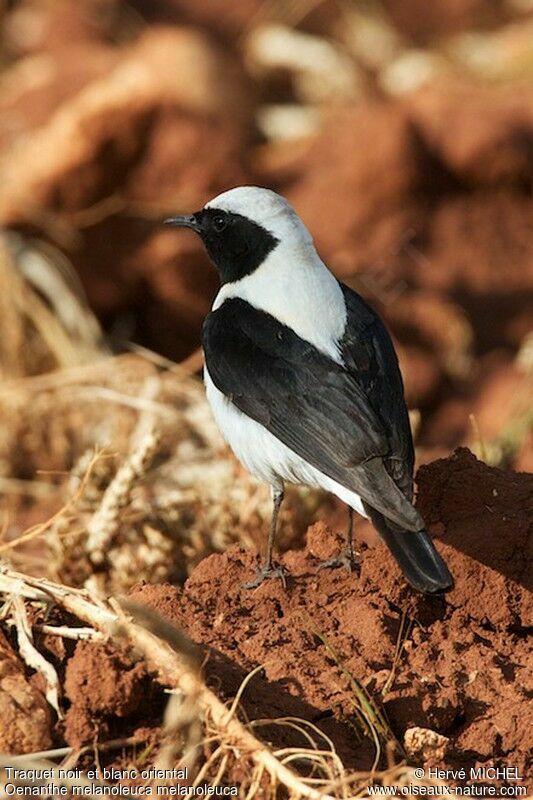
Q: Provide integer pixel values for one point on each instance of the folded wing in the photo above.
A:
(349, 421)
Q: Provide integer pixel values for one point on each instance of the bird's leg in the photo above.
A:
(268, 570)
(349, 537)
(347, 557)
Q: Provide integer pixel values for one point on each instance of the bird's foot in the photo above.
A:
(347, 559)
(265, 573)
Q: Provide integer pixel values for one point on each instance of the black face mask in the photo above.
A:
(236, 245)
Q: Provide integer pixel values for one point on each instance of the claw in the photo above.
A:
(344, 559)
(265, 573)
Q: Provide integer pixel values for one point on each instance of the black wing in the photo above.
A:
(369, 354)
(328, 414)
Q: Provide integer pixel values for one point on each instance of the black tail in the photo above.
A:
(416, 555)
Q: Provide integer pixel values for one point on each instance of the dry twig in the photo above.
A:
(32, 657)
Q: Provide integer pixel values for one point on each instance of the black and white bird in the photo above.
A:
(303, 379)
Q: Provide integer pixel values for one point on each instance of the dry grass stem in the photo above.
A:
(32, 657)
(75, 634)
(105, 521)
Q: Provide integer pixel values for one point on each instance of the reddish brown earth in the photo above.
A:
(464, 666)
(25, 714)
(104, 683)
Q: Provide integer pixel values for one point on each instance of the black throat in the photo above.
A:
(236, 245)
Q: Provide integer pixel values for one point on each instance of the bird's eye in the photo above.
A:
(220, 222)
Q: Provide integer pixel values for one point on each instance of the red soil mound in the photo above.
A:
(463, 667)
(104, 683)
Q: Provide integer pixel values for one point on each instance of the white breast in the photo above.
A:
(263, 455)
(295, 287)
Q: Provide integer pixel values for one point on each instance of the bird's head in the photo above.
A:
(242, 227)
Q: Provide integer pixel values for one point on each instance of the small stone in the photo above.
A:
(425, 744)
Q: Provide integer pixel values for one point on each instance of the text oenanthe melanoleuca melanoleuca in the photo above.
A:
(303, 379)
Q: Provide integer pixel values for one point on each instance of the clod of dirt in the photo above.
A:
(373, 173)
(25, 720)
(463, 658)
(91, 145)
(33, 88)
(102, 683)
(130, 147)
(419, 203)
(486, 518)
(490, 139)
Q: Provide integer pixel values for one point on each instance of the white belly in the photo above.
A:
(263, 455)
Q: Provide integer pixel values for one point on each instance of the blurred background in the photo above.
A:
(402, 132)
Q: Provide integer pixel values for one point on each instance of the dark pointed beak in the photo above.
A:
(184, 221)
